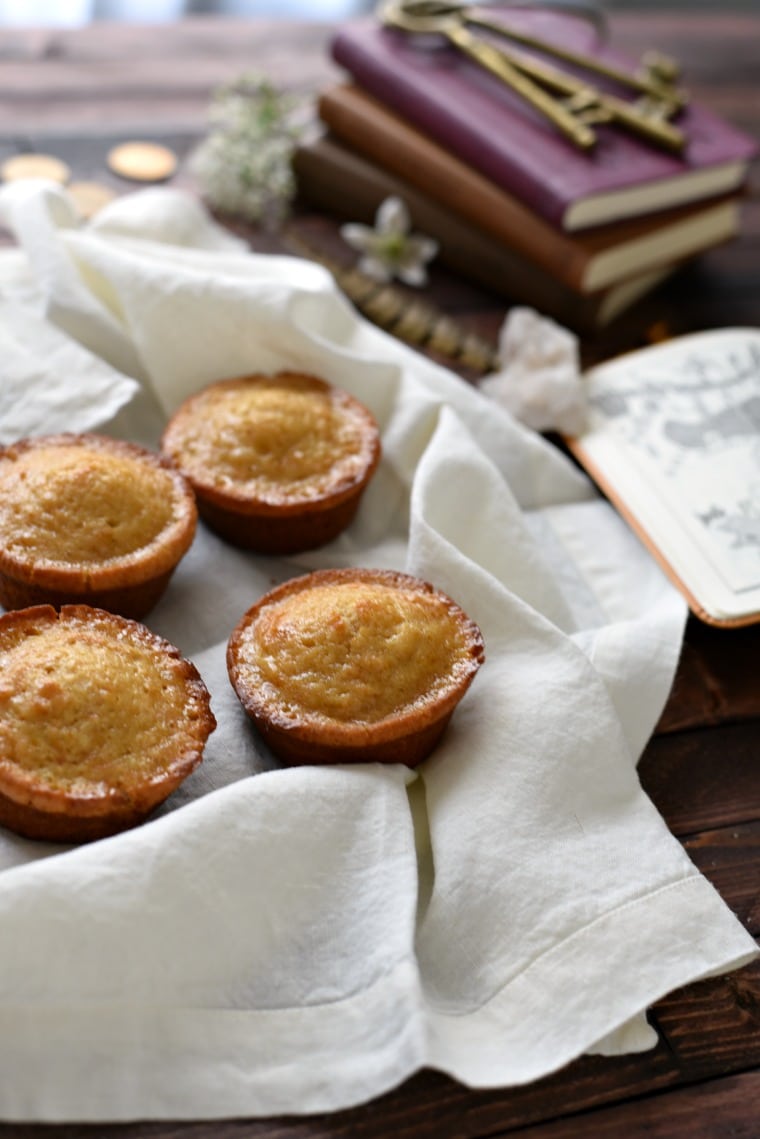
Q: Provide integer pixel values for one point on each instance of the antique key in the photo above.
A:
(538, 82)
(656, 75)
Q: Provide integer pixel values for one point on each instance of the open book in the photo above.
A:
(674, 441)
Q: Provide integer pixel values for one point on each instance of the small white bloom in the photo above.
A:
(244, 163)
(390, 250)
(539, 380)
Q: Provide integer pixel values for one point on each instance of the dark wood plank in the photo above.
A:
(713, 1026)
(701, 780)
(138, 76)
(716, 1110)
(717, 678)
(730, 859)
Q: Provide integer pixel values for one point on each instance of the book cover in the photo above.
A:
(586, 262)
(342, 183)
(477, 117)
(674, 441)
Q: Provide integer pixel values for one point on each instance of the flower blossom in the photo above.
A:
(389, 249)
(244, 163)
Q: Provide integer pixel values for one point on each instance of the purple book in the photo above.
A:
(475, 116)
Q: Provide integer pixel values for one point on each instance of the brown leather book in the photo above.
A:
(585, 262)
(340, 182)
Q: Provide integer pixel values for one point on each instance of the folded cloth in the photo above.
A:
(301, 940)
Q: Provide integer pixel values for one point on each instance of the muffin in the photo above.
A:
(278, 463)
(100, 720)
(85, 518)
(353, 665)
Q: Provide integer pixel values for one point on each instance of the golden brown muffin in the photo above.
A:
(100, 720)
(353, 665)
(278, 463)
(85, 518)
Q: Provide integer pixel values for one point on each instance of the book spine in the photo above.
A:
(351, 188)
(389, 142)
(446, 122)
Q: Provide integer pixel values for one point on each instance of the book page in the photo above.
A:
(674, 438)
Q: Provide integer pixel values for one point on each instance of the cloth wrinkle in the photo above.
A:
(313, 936)
(540, 959)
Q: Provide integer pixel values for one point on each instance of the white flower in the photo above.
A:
(539, 380)
(244, 164)
(390, 250)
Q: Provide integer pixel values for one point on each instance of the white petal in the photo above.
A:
(359, 237)
(412, 274)
(421, 248)
(376, 269)
(392, 217)
(425, 247)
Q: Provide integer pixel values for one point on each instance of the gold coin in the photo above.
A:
(90, 197)
(142, 161)
(35, 166)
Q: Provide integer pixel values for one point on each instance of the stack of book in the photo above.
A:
(515, 206)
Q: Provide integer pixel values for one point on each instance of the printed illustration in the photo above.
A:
(691, 415)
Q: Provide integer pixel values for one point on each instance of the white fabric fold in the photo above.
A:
(302, 940)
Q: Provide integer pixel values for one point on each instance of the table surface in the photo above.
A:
(75, 92)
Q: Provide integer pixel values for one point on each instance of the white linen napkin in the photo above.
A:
(302, 940)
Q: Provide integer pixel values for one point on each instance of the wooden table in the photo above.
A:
(74, 93)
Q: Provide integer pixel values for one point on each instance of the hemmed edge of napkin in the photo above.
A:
(680, 933)
(106, 1062)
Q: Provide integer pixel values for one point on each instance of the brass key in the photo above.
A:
(581, 106)
(655, 77)
(451, 26)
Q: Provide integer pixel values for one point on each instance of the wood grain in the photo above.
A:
(704, 779)
(714, 1110)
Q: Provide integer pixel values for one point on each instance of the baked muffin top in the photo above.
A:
(353, 647)
(93, 705)
(283, 439)
(91, 502)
